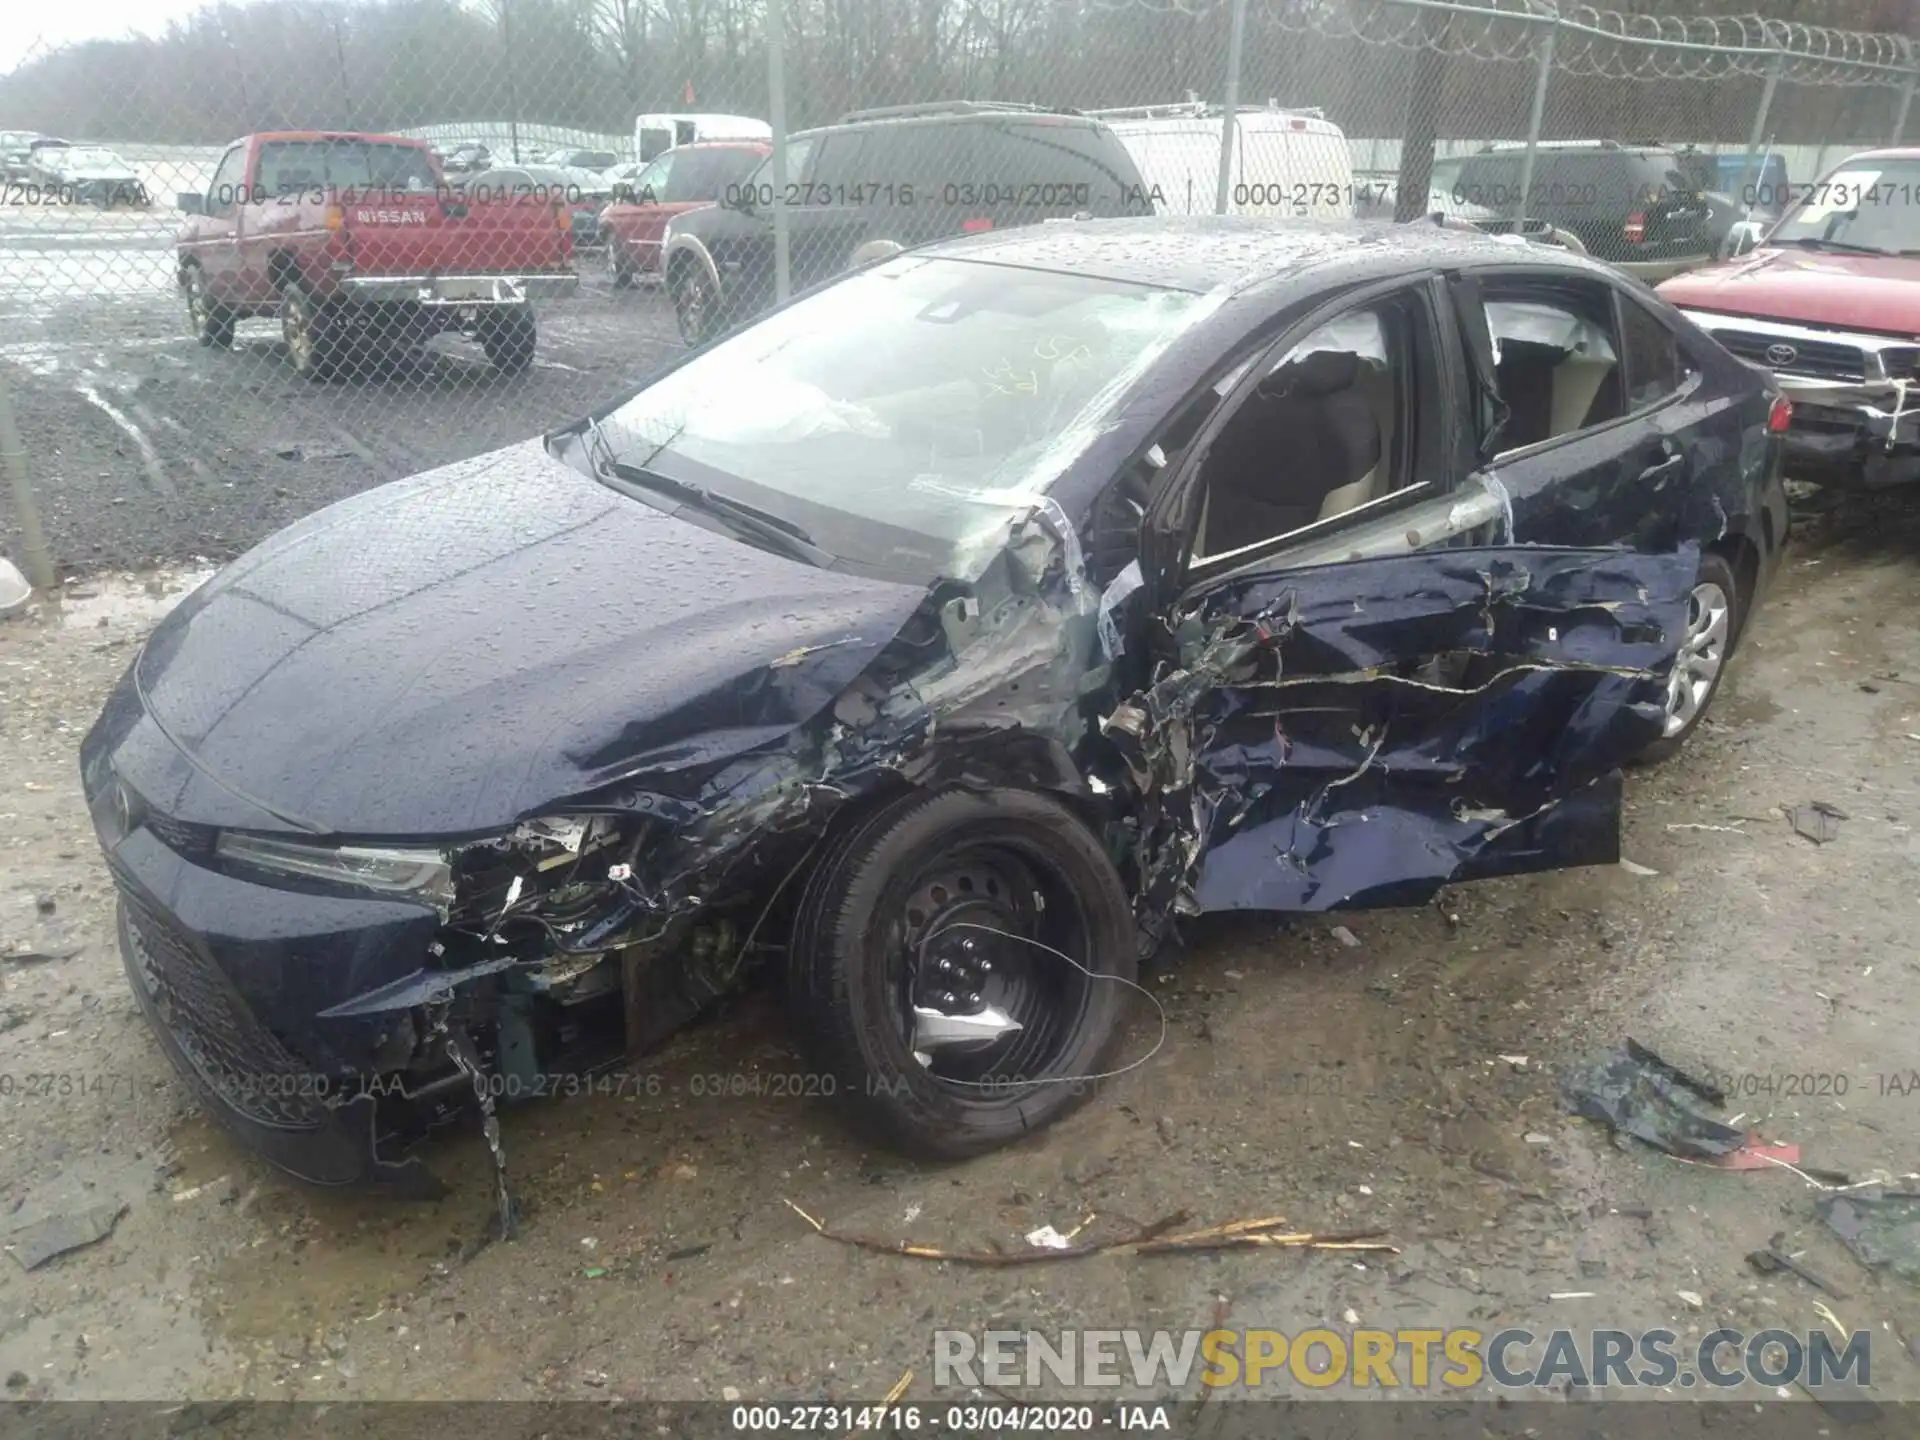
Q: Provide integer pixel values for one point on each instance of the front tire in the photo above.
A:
(619, 267)
(959, 905)
(694, 304)
(1716, 611)
(509, 338)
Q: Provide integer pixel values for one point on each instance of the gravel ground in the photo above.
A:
(1345, 1080)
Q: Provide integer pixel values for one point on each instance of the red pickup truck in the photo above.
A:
(1829, 301)
(360, 245)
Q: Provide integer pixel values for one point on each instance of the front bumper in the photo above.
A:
(233, 976)
(456, 290)
(1856, 425)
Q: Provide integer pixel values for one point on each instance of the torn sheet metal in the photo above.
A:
(1365, 733)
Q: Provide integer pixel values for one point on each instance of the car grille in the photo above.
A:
(244, 1064)
(1816, 359)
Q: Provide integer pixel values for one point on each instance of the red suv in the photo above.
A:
(1829, 301)
(681, 179)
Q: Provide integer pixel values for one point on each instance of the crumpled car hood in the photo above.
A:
(447, 653)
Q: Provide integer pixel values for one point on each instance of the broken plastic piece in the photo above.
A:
(1632, 1091)
(1882, 1229)
(1816, 821)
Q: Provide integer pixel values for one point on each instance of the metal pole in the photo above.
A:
(1230, 119)
(777, 116)
(1906, 104)
(1758, 134)
(36, 558)
(1537, 117)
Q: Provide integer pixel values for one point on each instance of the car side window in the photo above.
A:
(227, 187)
(1655, 367)
(1330, 428)
(1556, 361)
(837, 169)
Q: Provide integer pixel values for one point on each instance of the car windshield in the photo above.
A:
(1871, 205)
(905, 416)
(91, 159)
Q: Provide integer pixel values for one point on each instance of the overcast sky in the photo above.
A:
(29, 26)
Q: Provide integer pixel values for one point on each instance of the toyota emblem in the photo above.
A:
(1778, 355)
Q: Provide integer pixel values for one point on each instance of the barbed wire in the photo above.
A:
(1588, 40)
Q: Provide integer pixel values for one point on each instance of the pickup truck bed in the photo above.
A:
(360, 245)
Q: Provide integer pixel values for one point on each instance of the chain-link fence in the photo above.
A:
(445, 226)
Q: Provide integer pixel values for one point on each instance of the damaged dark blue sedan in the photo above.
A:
(930, 646)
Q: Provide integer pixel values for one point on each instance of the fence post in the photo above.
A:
(36, 558)
(1906, 104)
(1757, 135)
(1542, 78)
(777, 115)
(1230, 119)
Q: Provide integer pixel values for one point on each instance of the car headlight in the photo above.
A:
(418, 874)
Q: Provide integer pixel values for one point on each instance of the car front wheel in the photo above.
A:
(1714, 616)
(694, 303)
(961, 965)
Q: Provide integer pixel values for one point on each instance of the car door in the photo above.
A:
(213, 236)
(1362, 708)
(1586, 451)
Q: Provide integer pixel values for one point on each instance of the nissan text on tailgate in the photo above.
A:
(362, 248)
(1829, 301)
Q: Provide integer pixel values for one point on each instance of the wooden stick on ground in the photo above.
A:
(1151, 1239)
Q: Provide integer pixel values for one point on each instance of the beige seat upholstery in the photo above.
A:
(1377, 384)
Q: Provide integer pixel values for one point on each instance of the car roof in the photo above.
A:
(1063, 119)
(1890, 152)
(1236, 252)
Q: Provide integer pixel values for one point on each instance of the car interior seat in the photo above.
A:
(1376, 383)
(1308, 431)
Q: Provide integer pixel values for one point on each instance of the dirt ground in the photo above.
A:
(1343, 1085)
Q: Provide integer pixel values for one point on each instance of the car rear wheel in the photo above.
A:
(212, 324)
(315, 344)
(1714, 617)
(509, 338)
(937, 968)
(694, 303)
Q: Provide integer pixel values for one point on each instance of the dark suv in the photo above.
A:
(883, 180)
(1629, 205)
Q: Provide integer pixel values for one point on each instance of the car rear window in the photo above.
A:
(290, 166)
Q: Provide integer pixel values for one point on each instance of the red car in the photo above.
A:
(1830, 303)
(358, 244)
(683, 178)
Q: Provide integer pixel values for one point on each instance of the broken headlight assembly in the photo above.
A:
(414, 873)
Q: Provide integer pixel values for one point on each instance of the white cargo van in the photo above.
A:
(1285, 162)
(655, 133)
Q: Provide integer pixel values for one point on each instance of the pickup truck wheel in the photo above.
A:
(961, 963)
(619, 267)
(693, 305)
(313, 343)
(212, 324)
(509, 338)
